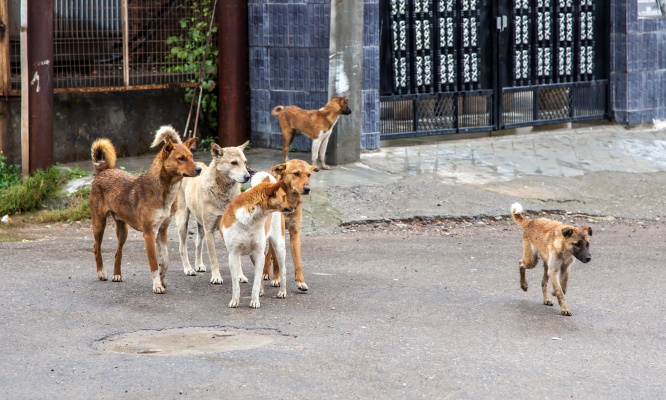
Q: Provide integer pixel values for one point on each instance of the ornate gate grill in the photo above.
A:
(452, 66)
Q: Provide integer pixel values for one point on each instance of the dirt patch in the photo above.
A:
(187, 341)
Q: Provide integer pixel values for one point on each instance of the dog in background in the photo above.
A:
(558, 245)
(146, 203)
(206, 197)
(242, 227)
(296, 177)
(315, 124)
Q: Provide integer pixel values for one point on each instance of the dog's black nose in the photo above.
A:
(197, 170)
(247, 177)
(306, 190)
(588, 259)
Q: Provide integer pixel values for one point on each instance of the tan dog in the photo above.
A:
(242, 227)
(296, 176)
(206, 197)
(316, 124)
(557, 244)
(146, 203)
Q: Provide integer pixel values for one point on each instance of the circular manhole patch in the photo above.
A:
(186, 341)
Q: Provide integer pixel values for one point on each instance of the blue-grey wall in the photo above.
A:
(289, 56)
(638, 65)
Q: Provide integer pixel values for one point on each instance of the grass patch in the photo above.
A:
(10, 174)
(29, 195)
(77, 209)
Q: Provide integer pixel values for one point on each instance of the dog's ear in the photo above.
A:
(191, 143)
(216, 151)
(588, 230)
(244, 145)
(279, 169)
(313, 168)
(567, 232)
(168, 146)
(272, 189)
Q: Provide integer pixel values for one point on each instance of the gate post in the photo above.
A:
(37, 86)
(345, 74)
(232, 44)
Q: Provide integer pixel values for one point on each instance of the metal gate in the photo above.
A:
(455, 66)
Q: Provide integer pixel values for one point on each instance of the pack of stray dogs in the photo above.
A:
(254, 222)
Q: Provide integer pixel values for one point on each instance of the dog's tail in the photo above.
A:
(517, 215)
(276, 111)
(103, 155)
(166, 132)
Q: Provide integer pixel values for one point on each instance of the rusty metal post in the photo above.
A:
(40, 85)
(232, 43)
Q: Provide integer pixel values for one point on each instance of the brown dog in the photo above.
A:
(296, 177)
(557, 244)
(316, 124)
(146, 203)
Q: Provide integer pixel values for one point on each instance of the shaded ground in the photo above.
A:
(395, 310)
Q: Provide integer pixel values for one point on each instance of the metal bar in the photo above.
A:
(232, 72)
(25, 121)
(5, 64)
(125, 22)
(40, 89)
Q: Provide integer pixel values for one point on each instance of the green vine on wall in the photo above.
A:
(188, 51)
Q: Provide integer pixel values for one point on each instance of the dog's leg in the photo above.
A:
(279, 279)
(121, 236)
(182, 219)
(316, 144)
(564, 277)
(322, 150)
(544, 285)
(98, 225)
(553, 273)
(151, 251)
(287, 139)
(198, 263)
(234, 267)
(257, 259)
(163, 251)
(270, 256)
(210, 224)
(529, 261)
(295, 246)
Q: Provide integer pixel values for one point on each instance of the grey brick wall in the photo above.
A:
(638, 65)
(289, 56)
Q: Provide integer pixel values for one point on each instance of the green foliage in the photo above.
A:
(188, 49)
(10, 174)
(208, 142)
(30, 194)
(77, 209)
(75, 173)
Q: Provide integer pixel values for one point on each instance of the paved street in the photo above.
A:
(397, 307)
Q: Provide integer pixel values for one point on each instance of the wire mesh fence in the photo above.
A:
(102, 45)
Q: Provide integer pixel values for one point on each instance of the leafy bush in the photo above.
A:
(189, 48)
(77, 209)
(10, 174)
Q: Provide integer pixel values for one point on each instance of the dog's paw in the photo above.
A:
(233, 303)
(189, 272)
(324, 166)
(275, 282)
(243, 279)
(216, 280)
(566, 312)
(164, 283)
(102, 275)
(158, 289)
(266, 277)
(117, 278)
(254, 303)
(548, 302)
(201, 268)
(302, 286)
(282, 293)
(524, 287)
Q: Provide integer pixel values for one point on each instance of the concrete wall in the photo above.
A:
(129, 119)
(289, 60)
(638, 65)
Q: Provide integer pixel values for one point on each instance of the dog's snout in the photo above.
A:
(246, 177)
(588, 259)
(306, 190)
(197, 170)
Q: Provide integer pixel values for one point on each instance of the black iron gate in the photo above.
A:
(454, 66)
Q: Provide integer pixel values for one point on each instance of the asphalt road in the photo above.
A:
(394, 311)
